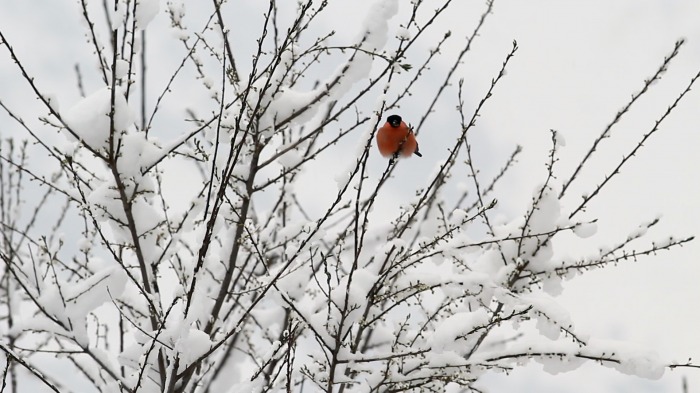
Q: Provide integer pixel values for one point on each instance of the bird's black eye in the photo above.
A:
(394, 120)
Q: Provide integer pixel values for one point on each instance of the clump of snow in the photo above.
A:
(362, 280)
(552, 285)
(546, 214)
(560, 364)
(551, 317)
(146, 216)
(291, 102)
(453, 331)
(300, 106)
(122, 68)
(176, 11)
(403, 34)
(586, 229)
(146, 10)
(70, 304)
(117, 16)
(446, 358)
(376, 26)
(105, 203)
(89, 119)
(351, 290)
(84, 245)
(295, 282)
(344, 176)
(458, 215)
(630, 359)
(193, 344)
(136, 154)
(638, 232)
(290, 159)
(559, 139)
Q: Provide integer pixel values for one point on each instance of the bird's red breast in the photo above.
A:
(396, 138)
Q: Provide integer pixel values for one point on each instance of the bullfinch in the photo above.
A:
(395, 138)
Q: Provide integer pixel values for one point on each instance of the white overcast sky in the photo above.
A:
(578, 64)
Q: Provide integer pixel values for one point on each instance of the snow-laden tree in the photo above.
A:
(162, 233)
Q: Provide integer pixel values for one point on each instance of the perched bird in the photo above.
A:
(394, 138)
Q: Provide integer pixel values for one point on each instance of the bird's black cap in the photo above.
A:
(394, 120)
